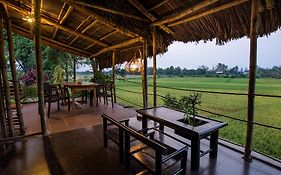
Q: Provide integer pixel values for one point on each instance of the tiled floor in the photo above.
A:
(75, 146)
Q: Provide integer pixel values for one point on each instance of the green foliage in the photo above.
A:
(58, 74)
(29, 91)
(187, 104)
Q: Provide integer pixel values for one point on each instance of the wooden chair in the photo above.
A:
(52, 93)
(105, 91)
(156, 151)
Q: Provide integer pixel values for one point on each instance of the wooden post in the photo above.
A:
(113, 73)
(154, 66)
(144, 75)
(14, 75)
(252, 80)
(6, 85)
(3, 123)
(37, 50)
(74, 69)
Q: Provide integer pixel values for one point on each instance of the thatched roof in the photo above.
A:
(93, 28)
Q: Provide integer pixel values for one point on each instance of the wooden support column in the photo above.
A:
(113, 73)
(4, 71)
(3, 123)
(74, 69)
(14, 75)
(37, 50)
(154, 66)
(252, 80)
(144, 75)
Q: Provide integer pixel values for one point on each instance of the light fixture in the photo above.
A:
(28, 19)
(135, 64)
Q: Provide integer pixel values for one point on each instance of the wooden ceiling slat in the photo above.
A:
(63, 19)
(145, 12)
(84, 30)
(101, 19)
(80, 25)
(116, 46)
(158, 5)
(102, 38)
(208, 12)
(185, 12)
(92, 5)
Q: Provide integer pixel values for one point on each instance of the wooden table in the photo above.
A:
(76, 87)
(168, 117)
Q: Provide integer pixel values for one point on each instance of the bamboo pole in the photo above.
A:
(3, 123)
(84, 30)
(14, 76)
(145, 12)
(113, 73)
(144, 75)
(252, 80)
(37, 50)
(61, 20)
(6, 85)
(52, 43)
(154, 66)
(158, 5)
(92, 5)
(74, 69)
(208, 12)
(119, 45)
(185, 12)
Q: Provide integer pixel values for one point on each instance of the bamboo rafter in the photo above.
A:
(101, 19)
(208, 12)
(63, 19)
(158, 5)
(117, 46)
(102, 38)
(55, 24)
(80, 25)
(84, 30)
(92, 5)
(185, 12)
(51, 42)
(145, 12)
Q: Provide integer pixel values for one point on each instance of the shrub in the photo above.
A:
(29, 78)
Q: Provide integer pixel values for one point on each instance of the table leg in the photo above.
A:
(195, 153)
(144, 124)
(214, 144)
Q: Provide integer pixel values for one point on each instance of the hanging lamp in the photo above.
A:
(135, 64)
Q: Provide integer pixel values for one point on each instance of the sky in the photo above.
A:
(237, 52)
(233, 53)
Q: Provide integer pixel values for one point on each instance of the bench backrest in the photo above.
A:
(151, 143)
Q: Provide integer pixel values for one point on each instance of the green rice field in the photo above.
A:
(267, 110)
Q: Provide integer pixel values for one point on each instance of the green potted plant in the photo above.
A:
(58, 75)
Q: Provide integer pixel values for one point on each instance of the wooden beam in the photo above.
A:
(14, 75)
(3, 122)
(61, 21)
(74, 69)
(74, 32)
(102, 38)
(145, 12)
(158, 5)
(55, 24)
(52, 43)
(101, 19)
(4, 72)
(119, 45)
(39, 67)
(252, 80)
(154, 66)
(209, 12)
(92, 5)
(80, 25)
(185, 12)
(83, 31)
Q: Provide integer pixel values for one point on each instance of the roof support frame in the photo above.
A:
(61, 20)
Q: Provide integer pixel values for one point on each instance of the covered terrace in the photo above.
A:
(109, 33)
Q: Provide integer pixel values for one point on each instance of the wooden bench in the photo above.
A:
(158, 152)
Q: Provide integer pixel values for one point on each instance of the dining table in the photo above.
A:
(81, 86)
(174, 119)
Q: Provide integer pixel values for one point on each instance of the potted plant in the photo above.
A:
(58, 74)
(188, 105)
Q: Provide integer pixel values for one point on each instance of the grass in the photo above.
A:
(267, 110)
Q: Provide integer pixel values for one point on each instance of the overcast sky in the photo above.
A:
(192, 55)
